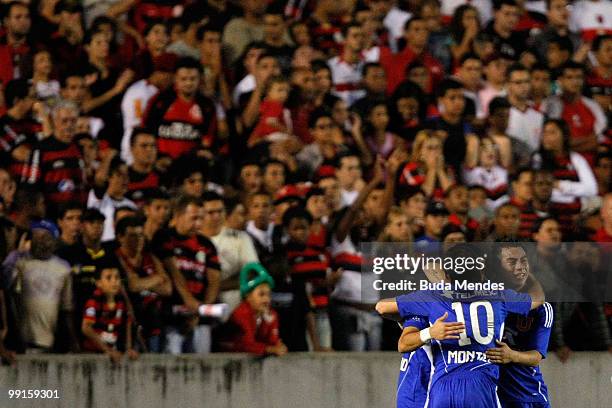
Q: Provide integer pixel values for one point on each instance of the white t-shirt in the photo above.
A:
(235, 249)
(526, 126)
(107, 206)
(133, 107)
(346, 79)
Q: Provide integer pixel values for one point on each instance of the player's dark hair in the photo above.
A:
(458, 253)
(206, 28)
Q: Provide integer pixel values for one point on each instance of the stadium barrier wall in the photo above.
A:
(300, 380)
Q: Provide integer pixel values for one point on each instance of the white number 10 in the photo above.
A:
(463, 338)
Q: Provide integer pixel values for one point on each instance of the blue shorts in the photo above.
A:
(464, 391)
(514, 404)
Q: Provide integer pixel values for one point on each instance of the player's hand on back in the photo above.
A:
(500, 355)
(442, 330)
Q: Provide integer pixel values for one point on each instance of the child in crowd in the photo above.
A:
(274, 119)
(253, 326)
(107, 325)
(489, 174)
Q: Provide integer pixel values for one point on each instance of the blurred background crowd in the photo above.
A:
(152, 150)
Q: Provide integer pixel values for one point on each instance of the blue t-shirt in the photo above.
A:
(484, 314)
(415, 371)
(520, 383)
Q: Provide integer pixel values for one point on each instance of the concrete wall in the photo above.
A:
(335, 380)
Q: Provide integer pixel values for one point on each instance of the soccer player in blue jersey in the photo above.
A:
(463, 377)
(521, 384)
(417, 361)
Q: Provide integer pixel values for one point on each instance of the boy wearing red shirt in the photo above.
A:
(253, 326)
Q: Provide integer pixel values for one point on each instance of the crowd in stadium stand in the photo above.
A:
(188, 176)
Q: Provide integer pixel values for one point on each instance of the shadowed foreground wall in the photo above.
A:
(336, 380)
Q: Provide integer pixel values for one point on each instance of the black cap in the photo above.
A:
(92, 214)
(436, 208)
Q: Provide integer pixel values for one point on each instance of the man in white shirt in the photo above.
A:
(138, 95)
(113, 197)
(346, 69)
(348, 173)
(525, 123)
(234, 247)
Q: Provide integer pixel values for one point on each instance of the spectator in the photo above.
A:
(142, 175)
(506, 223)
(102, 328)
(464, 26)
(604, 234)
(64, 182)
(525, 123)
(541, 84)
(589, 17)
(509, 149)
(253, 326)
(193, 264)
(457, 204)
(416, 36)
(575, 179)
(111, 196)
(494, 68)
(346, 68)
(274, 176)
(469, 73)
(521, 196)
(16, 46)
(66, 42)
(137, 97)
(42, 306)
(156, 40)
(584, 116)
(234, 246)
(147, 282)
(427, 169)
(436, 217)
(503, 29)
(69, 222)
(348, 173)
(182, 118)
(325, 24)
(489, 174)
(274, 122)
(157, 211)
(413, 202)
(558, 15)
(240, 30)
(374, 84)
(275, 36)
(407, 109)
(187, 46)
(603, 173)
(45, 87)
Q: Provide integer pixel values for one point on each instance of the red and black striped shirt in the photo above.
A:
(58, 169)
(141, 186)
(310, 264)
(181, 126)
(108, 323)
(194, 255)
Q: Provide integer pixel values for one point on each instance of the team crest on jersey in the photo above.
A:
(201, 257)
(524, 324)
(195, 112)
(65, 185)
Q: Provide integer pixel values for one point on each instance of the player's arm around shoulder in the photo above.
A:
(388, 309)
(413, 338)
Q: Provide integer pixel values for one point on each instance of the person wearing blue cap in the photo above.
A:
(253, 326)
(40, 283)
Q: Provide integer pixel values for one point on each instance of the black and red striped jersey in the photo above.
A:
(108, 323)
(59, 170)
(194, 255)
(181, 126)
(141, 185)
(14, 133)
(147, 303)
(311, 265)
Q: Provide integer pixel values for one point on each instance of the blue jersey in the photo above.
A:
(519, 383)
(483, 313)
(415, 371)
